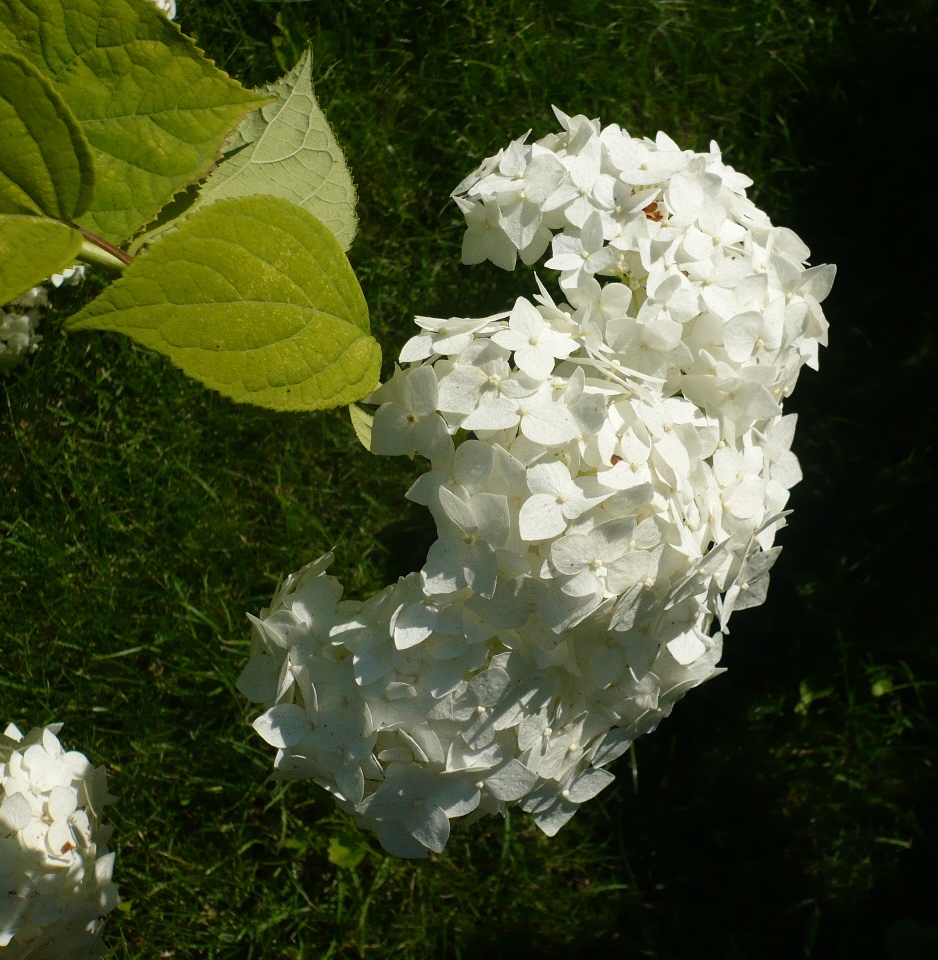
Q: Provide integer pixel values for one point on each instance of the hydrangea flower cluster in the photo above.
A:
(608, 470)
(55, 868)
(19, 319)
(18, 323)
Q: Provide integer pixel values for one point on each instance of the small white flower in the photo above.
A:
(444, 337)
(53, 848)
(167, 6)
(556, 499)
(411, 424)
(582, 256)
(536, 346)
(486, 238)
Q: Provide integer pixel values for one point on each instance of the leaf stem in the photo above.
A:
(102, 253)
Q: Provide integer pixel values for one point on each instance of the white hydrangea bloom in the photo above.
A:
(18, 336)
(55, 868)
(626, 469)
(20, 319)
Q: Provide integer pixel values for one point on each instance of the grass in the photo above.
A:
(786, 809)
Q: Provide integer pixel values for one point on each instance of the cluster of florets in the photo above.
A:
(608, 470)
(19, 319)
(18, 323)
(55, 869)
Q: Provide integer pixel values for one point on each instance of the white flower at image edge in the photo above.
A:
(55, 868)
(167, 6)
(607, 468)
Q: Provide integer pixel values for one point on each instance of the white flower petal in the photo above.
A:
(282, 725)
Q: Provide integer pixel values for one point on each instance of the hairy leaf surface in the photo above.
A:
(31, 249)
(154, 110)
(289, 151)
(45, 162)
(253, 297)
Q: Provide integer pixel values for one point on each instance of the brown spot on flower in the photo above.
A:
(653, 213)
(67, 846)
(616, 459)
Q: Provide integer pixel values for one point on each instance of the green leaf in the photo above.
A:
(153, 109)
(45, 166)
(31, 249)
(288, 150)
(362, 423)
(347, 852)
(253, 297)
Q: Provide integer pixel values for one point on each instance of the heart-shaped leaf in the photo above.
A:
(153, 109)
(45, 164)
(288, 150)
(31, 249)
(253, 297)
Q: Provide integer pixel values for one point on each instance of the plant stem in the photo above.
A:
(100, 252)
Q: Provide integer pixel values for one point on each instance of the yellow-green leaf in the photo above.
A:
(45, 161)
(362, 423)
(288, 150)
(31, 249)
(253, 297)
(347, 852)
(154, 110)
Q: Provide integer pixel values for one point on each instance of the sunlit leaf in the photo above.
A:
(253, 297)
(361, 424)
(347, 852)
(31, 249)
(45, 163)
(153, 109)
(288, 150)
